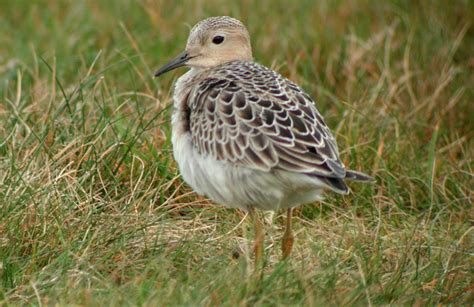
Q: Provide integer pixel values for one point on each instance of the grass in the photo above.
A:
(92, 208)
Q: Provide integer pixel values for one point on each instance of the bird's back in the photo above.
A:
(250, 116)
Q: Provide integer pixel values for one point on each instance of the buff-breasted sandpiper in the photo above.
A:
(245, 136)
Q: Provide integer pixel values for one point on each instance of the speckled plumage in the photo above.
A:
(245, 114)
(247, 137)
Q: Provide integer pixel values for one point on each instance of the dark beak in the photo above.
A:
(179, 61)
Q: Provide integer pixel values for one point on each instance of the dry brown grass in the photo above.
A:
(94, 211)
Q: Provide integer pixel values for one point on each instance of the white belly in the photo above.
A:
(240, 187)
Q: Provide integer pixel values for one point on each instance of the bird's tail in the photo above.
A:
(358, 176)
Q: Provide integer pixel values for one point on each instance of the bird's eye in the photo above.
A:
(218, 39)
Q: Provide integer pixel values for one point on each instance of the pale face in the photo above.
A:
(218, 46)
(213, 44)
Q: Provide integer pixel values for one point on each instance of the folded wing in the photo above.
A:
(262, 121)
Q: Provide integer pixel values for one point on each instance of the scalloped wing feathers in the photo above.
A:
(249, 115)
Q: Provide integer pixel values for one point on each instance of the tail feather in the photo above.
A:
(358, 176)
(338, 185)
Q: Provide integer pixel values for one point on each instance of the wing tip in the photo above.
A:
(358, 176)
(334, 183)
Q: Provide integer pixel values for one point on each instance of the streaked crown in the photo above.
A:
(225, 23)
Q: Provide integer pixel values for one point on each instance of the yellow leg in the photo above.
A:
(288, 238)
(259, 236)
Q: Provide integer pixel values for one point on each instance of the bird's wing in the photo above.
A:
(263, 122)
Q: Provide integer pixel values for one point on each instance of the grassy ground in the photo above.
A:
(92, 208)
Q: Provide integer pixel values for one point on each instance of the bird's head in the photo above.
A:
(213, 41)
